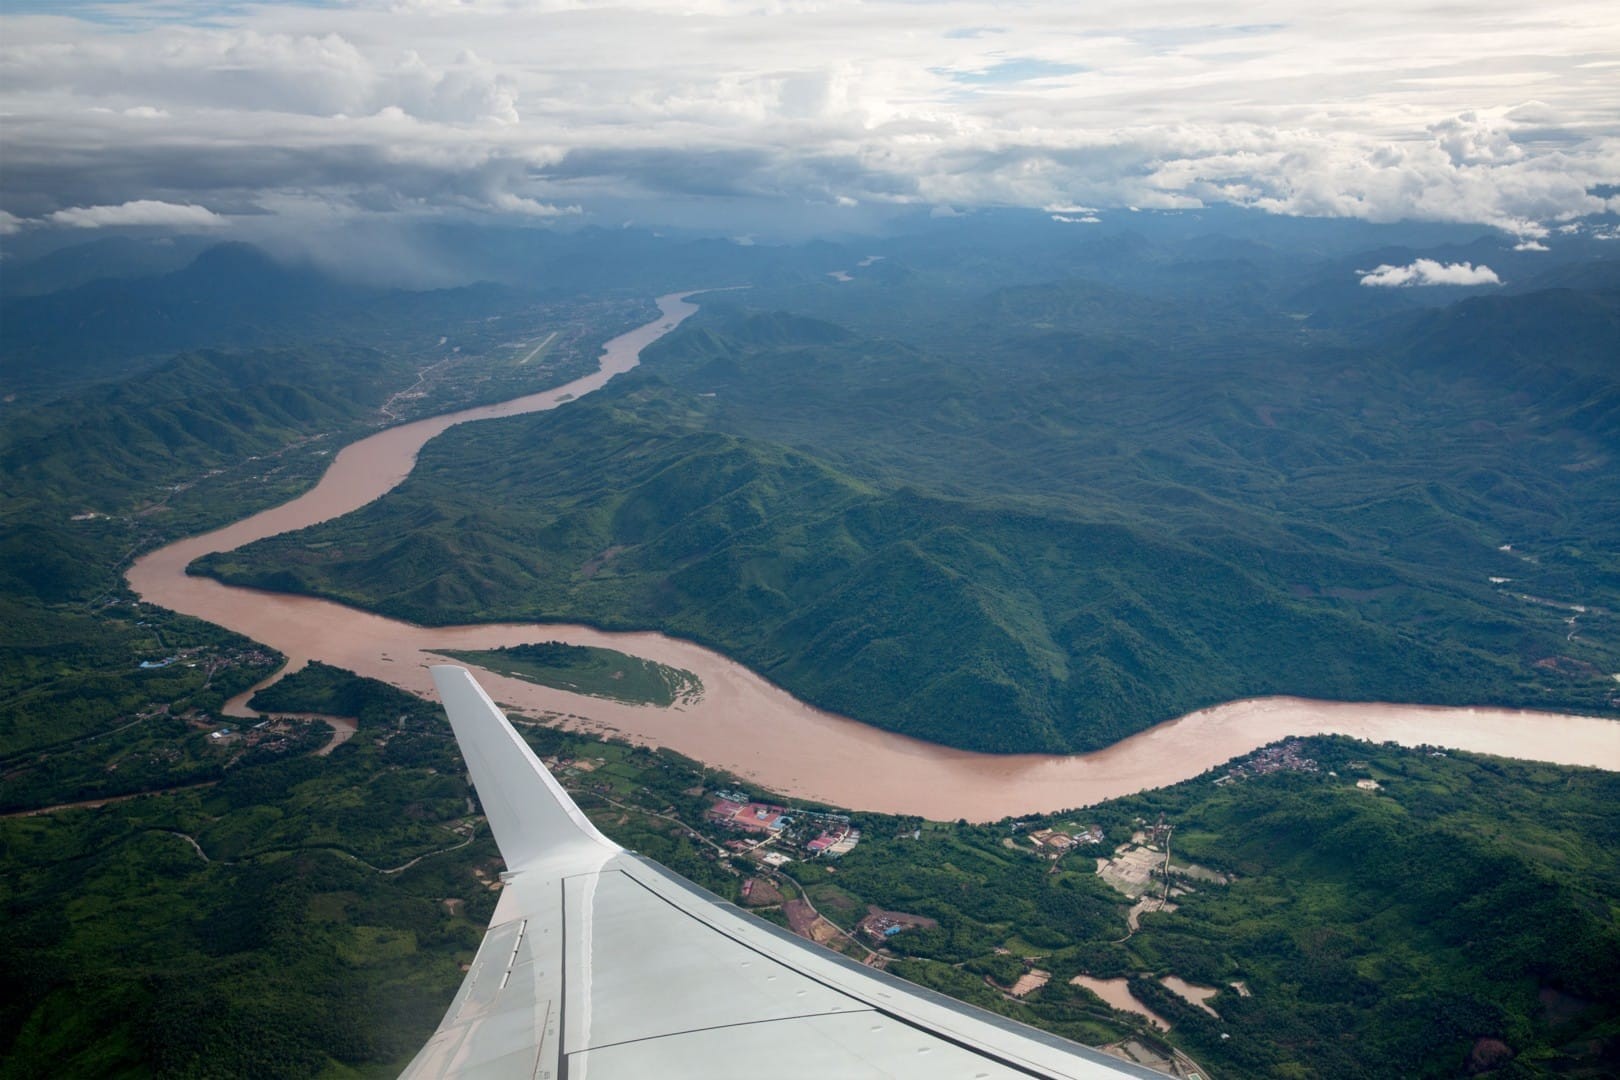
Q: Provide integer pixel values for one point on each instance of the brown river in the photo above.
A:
(748, 726)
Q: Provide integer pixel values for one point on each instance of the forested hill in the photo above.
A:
(1573, 333)
(96, 476)
(231, 295)
(194, 412)
(1033, 532)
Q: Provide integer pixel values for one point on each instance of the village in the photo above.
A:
(273, 735)
(816, 834)
(211, 659)
(1054, 843)
(1287, 756)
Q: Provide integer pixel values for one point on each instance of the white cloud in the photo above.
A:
(522, 207)
(9, 223)
(1070, 219)
(138, 212)
(1498, 114)
(1430, 272)
(1469, 140)
(1531, 245)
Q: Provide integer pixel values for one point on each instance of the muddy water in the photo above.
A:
(344, 728)
(1116, 992)
(746, 725)
(1191, 992)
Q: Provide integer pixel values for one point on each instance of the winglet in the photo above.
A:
(529, 812)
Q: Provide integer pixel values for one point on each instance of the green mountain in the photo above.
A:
(230, 296)
(194, 412)
(95, 476)
(95, 260)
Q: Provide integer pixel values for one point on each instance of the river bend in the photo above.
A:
(750, 727)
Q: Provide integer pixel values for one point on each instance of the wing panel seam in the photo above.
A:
(724, 1027)
(562, 978)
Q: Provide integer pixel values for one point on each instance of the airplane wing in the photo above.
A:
(599, 963)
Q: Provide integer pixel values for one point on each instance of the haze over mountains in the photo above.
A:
(88, 309)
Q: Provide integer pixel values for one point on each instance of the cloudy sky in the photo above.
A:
(196, 114)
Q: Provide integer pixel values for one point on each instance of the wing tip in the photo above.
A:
(531, 814)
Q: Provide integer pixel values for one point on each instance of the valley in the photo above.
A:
(334, 866)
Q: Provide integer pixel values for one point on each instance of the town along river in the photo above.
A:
(747, 726)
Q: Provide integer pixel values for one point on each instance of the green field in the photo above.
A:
(585, 669)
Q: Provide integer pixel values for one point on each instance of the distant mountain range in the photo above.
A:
(229, 295)
(95, 310)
